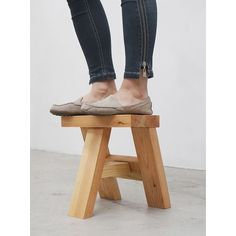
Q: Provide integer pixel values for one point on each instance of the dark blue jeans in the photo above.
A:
(92, 29)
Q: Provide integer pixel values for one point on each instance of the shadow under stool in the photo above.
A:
(99, 169)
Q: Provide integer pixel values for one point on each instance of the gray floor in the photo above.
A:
(52, 180)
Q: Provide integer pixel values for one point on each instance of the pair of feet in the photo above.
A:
(131, 91)
(105, 99)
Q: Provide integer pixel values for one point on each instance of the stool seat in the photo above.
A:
(99, 170)
(111, 121)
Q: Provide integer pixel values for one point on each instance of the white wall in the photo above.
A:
(59, 74)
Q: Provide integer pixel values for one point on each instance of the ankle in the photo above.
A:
(136, 93)
(135, 88)
(102, 88)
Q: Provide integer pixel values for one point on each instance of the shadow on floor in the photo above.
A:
(52, 180)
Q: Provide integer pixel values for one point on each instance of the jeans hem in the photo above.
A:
(137, 75)
(102, 77)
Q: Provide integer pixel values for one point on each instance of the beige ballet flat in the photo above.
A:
(111, 106)
(68, 109)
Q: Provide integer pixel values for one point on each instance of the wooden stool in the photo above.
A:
(99, 169)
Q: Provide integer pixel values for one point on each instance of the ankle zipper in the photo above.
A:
(144, 39)
(144, 69)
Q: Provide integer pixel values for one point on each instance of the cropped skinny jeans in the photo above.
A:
(92, 29)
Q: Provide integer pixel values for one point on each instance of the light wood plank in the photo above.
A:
(133, 163)
(120, 170)
(115, 169)
(109, 188)
(151, 166)
(110, 121)
(90, 173)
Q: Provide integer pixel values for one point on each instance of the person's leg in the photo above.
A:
(93, 32)
(139, 24)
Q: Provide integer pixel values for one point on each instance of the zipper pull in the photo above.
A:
(144, 69)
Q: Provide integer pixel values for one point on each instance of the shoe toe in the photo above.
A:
(68, 109)
(57, 109)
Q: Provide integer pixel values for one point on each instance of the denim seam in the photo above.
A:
(147, 28)
(141, 29)
(129, 72)
(149, 68)
(96, 34)
(132, 72)
(105, 73)
(102, 77)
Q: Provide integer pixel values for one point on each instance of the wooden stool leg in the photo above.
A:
(108, 188)
(151, 166)
(90, 172)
